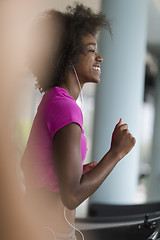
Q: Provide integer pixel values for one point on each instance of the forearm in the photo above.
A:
(76, 187)
(91, 181)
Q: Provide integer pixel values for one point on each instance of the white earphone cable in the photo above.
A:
(81, 94)
(50, 229)
(47, 227)
(72, 225)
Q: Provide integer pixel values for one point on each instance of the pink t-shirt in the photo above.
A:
(56, 109)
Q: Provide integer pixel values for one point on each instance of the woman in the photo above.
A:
(56, 179)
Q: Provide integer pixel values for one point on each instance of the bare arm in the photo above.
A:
(75, 187)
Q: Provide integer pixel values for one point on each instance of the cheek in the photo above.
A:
(84, 66)
(88, 63)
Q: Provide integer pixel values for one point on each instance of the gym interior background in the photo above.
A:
(129, 88)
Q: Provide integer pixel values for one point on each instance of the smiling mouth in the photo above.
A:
(97, 68)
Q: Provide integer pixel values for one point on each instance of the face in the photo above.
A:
(88, 66)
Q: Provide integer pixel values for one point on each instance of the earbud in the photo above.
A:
(71, 63)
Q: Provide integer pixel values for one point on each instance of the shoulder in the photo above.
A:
(62, 111)
(58, 99)
(63, 106)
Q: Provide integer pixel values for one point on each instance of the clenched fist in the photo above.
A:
(122, 140)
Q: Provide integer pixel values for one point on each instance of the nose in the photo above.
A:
(99, 58)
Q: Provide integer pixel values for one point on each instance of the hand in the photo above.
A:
(122, 140)
(88, 167)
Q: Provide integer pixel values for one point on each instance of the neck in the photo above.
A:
(71, 84)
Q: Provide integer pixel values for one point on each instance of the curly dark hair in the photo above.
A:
(77, 22)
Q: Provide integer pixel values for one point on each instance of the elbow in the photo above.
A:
(70, 206)
(70, 201)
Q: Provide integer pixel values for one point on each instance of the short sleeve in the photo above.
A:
(62, 112)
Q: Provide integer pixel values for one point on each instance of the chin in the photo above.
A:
(97, 80)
